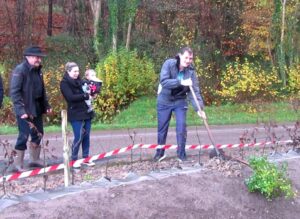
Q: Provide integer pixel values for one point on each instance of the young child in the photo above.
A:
(91, 85)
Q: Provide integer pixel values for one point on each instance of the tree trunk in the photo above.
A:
(282, 54)
(114, 42)
(16, 52)
(96, 9)
(50, 7)
(71, 14)
(128, 34)
(113, 22)
(20, 22)
(270, 51)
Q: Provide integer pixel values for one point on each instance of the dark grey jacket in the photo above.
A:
(172, 90)
(22, 90)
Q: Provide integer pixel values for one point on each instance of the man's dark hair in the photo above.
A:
(186, 49)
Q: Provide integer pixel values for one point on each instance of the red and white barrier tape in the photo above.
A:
(38, 171)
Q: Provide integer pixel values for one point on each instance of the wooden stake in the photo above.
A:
(66, 149)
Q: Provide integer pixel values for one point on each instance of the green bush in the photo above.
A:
(294, 80)
(244, 82)
(125, 78)
(5, 72)
(7, 115)
(208, 82)
(6, 112)
(52, 78)
(269, 179)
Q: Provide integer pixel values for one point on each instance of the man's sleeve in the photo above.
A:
(16, 94)
(165, 76)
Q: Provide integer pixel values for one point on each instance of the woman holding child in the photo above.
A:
(78, 114)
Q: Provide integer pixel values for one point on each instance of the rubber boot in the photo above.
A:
(34, 155)
(19, 161)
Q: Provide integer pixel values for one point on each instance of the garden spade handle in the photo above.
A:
(205, 122)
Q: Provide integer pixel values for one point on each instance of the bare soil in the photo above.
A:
(217, 190)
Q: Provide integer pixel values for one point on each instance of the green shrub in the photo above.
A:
(52, 78)
(269, 179)
(245, 82)
(7, 115)
(2, 68)
(294, 80)
(6, 112)
(125, 78)
(208, 82)
(5, 72)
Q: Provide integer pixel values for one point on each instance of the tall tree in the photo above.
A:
(282, 54)
(256, 24)
(113, 21)
(70, 9)
(278, 37)
(96, 10)
(50, 9)
(20, 22)
(131, 9)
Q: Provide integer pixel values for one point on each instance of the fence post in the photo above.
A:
(66, 149)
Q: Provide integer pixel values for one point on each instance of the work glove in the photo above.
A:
(186, 82)
(201, 114)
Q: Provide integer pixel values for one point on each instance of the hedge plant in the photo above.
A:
(125, 76)
(244, 82)
(269, 179)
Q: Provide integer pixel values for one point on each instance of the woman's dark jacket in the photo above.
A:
(75, 97)
(23, 90)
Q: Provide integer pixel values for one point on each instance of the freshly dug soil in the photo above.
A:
(217, 190)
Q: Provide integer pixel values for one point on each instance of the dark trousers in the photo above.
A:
(164, 113)
(25, 130)
(81, 130)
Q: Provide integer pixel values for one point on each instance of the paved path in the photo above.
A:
(104, 141)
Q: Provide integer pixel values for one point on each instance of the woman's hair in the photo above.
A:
(70, 65)
(181, 51)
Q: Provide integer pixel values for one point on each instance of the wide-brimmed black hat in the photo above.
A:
(34, 51)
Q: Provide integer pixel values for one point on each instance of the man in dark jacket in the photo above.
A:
(30, 102)
(1, 92)
(176, 76)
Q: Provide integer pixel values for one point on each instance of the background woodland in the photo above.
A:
(245, 50)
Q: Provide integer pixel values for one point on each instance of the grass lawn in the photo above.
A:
(142, 113)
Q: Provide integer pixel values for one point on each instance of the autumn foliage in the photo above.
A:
(243, 50)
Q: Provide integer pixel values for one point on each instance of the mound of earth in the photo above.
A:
(216, 190)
